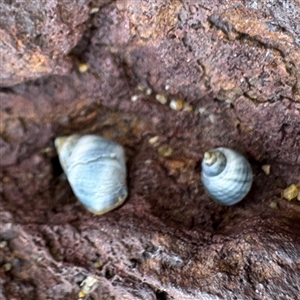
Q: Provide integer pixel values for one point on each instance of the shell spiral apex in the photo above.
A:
(226, 175)
(96, 170)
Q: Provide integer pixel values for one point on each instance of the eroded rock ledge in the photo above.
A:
(236, 67)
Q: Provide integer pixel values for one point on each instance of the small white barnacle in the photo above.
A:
(96, 170)
(226, 175)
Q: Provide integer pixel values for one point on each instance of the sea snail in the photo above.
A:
(226, 175)
(96, 170)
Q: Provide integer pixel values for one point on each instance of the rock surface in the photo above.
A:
(234, 66)
(37, 37)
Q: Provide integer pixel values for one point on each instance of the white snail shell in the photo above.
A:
(226, 175)
(96, 170)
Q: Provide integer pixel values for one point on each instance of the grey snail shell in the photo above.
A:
(96, 170)
(226, 175)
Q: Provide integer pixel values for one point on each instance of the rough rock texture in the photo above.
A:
(236, 64)
(36, 37)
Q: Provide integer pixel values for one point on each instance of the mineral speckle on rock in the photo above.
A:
(290, 192)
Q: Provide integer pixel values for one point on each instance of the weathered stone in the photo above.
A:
(237, 64)
(36, 37)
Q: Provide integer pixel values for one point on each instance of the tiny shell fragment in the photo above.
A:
(3, 244)
(201, 110)
(153, 140)
(7, 267)
(176, 104)
(148, 92)
(134, 98)
(6, 179)
(290, 192)
(86, 286)
(266, 169)
(98, 264)
(273, 204)
(140, 88)
(187, 107)
(165, 151)
(161, 98)
(81, 294)
(212, 118)
(94, 10)
(83, 67)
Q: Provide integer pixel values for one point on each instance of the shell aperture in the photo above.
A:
(226, 175)
(96, 170)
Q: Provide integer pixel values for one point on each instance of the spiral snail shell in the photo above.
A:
(96, 170)
(226, 175)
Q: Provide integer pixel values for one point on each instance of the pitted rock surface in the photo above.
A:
(236, 67)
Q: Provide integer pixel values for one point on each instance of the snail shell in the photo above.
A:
(226, 175)
(96, 170)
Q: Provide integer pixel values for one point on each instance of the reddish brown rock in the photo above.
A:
(37, 36)
(237, 65)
